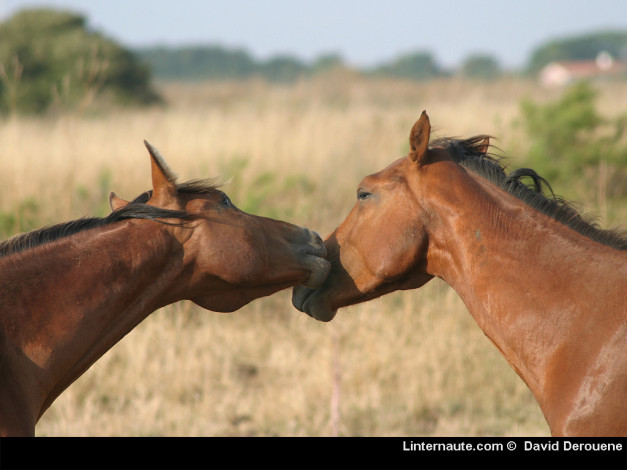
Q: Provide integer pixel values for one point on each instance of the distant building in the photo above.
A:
(562, 73)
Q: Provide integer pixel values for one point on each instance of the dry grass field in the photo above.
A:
(411, 363)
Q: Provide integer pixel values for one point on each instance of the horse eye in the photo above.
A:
(226, 201)
(361, 194)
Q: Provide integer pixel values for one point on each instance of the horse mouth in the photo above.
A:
(307, 301)
(300, 295)
(319, 270)
(313, 257)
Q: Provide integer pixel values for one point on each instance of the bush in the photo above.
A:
(49, 57)
(482, 67)
(413, 66)
(568, 135)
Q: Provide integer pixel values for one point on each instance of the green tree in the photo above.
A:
(415, 66)
(198, 63)
(481, 67)
(219, 63)
(49, 56)
(283, 69)
(569, 134)
(326, 63)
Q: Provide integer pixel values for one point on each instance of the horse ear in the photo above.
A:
(116, 202)
(484, 145)
(419, 139)
(163, 179)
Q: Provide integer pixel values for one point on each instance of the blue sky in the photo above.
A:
(362, 32)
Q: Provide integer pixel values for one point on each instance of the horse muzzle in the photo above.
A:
(313, 256)
(308, 301)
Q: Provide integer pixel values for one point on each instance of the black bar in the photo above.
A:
(312, 453)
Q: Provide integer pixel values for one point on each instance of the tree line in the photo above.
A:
(49, 59)
(222, 63)
(216, 62)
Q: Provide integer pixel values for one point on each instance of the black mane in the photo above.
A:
(136, 209)
(470, 153)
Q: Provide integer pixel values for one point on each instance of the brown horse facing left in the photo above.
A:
(547, 287)
(70, 292)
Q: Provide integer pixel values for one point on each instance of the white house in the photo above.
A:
(561, 73)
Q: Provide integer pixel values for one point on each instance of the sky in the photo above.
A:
(363, 32)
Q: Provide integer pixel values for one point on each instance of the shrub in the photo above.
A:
(569, 134)
(49, 57)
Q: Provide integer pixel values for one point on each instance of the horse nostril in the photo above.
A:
(316, 238)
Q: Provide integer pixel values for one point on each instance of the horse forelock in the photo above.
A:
(470, 154)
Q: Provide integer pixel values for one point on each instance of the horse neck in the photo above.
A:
(535, 287)
(66, 303)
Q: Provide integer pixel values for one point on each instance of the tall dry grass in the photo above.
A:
(411, 363)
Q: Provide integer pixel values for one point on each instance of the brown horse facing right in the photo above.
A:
(68, 293)
(548, 288)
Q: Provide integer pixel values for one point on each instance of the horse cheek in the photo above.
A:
(400, 255)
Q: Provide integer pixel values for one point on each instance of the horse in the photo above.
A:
(546, 285)
(69, 292)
